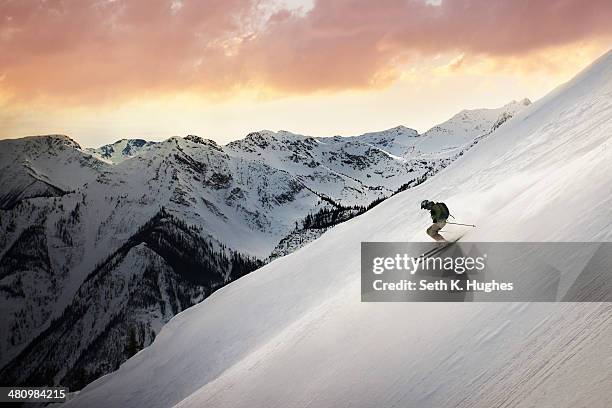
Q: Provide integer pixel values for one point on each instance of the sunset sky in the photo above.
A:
(102, 70)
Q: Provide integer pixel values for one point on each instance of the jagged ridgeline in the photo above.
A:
(166, 267)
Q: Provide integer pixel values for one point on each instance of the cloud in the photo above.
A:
(455, 64)
(88, 51)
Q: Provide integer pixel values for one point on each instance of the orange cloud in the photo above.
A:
(99, 50)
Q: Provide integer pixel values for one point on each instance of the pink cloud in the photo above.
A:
(97, 50)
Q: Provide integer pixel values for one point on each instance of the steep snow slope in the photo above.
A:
(294, 333)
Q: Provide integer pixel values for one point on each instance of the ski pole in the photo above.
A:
(458, 223)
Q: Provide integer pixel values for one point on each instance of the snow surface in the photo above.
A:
(294, 333)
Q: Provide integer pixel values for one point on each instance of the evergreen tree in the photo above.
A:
(132, 346)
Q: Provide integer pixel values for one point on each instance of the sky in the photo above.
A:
(103, 70)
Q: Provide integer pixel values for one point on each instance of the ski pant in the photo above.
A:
(434, 230)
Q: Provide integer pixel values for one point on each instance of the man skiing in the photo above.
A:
(439, 215)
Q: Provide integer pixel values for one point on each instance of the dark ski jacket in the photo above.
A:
(439, 212)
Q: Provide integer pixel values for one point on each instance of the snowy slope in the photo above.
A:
(295, 334)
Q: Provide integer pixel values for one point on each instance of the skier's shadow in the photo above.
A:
(437, 273)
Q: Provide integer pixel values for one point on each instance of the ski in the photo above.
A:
(441, 248)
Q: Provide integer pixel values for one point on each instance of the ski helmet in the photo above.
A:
(425, 204)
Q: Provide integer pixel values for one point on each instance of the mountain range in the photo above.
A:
(100, 247)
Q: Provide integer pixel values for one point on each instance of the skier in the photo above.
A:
(439, 215)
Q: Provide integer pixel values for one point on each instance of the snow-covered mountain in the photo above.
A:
(120, 150)
(43, 166)
(294, 333)
(470, 124)
(99, 248)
